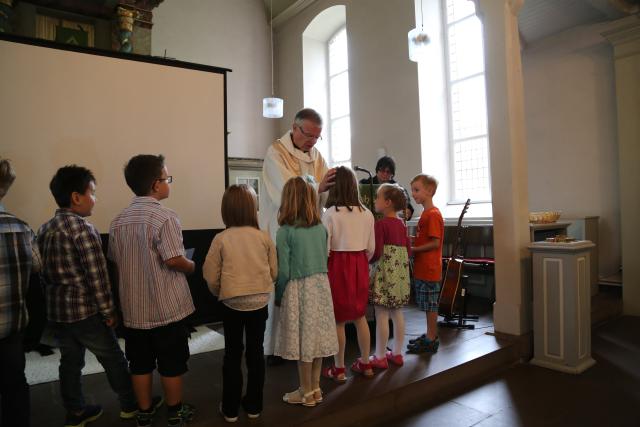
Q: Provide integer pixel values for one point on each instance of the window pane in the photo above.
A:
(339, 95)
(465, 48)
(338, 55)
(471, 170)
(341, 140)
(458, 9)
(469, 108)
(323, 146)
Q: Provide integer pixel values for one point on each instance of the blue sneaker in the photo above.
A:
(423, 345)
(89, 413)
(145, 418)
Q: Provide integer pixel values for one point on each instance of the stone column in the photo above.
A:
(625, 38)
(6, 13)
(512, 311)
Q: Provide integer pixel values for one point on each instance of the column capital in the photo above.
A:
(514, 5)
(623, 30)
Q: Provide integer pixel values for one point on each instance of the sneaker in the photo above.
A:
(253, 416)
(378, 363)
(424, 346)
(89, 413)
(421, 337)
(396, 359)
(228, 419)
(129, 412)
(145, 418)
(180, 417)
(362, 368)
(336, 374)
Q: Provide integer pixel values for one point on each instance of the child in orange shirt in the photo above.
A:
(427, 269)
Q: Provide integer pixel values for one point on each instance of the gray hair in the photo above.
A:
(308, 114)
(7, 176)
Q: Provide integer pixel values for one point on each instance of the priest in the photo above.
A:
(294, 154)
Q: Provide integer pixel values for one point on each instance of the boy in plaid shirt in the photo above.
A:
(78, 294)
(18, 258)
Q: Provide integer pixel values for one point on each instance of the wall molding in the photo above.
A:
(291, 11)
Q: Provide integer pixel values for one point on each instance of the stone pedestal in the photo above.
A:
(562, 306)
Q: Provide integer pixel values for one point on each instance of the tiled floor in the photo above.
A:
(608, 394)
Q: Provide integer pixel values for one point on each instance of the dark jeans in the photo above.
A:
(251, 325)
(91, 333)
(14, 391)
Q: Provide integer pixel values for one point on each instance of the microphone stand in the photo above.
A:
(359, 169)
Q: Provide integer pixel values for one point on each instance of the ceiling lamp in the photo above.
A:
(418, 40)
(272, 107)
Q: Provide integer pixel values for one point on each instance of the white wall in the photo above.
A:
(384, 83)
(571, 132)
(231, 34)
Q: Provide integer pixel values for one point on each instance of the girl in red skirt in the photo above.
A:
(351, 244)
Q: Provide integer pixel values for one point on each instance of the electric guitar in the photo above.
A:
(451, 281)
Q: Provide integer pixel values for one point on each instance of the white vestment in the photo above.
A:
(282, 162)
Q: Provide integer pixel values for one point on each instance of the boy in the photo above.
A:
(78, 296)
(427, 269)
(145, 242)
(18, 258)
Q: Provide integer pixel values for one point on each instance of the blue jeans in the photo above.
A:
(92, 334)
(14, 391)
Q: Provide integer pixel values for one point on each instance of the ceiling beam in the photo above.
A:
(291, 11)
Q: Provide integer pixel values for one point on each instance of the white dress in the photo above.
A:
(306, 328)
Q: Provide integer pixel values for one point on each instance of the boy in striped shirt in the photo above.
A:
(145, 242)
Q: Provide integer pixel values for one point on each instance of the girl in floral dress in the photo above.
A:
(390, 283)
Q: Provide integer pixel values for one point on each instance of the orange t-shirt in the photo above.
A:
(428, 265)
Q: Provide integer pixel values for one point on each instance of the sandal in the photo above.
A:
(297, 397)
(317, 395)
(362, 368)
(336, 374)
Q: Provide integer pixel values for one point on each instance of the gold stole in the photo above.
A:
(292, 163)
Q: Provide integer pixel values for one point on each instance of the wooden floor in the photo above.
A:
(395, 391)
(608, 394)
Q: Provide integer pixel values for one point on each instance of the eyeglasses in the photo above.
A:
(309, 136)
(169, 179)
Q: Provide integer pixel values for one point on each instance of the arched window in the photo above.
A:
(326, 82)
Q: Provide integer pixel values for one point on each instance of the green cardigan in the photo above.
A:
(302, 252)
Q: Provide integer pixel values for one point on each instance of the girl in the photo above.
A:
(351, 244)
(390, 285)
(306, 325)
(240, 269)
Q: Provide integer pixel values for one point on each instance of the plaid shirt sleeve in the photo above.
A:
(94, 264)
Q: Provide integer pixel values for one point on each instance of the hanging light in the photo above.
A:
(272, 107)
(418, 40)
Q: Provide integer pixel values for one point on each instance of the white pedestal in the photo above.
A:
(562, 306)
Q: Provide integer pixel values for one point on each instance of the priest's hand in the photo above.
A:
(328, 181)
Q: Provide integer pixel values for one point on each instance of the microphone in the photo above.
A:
(359, 169)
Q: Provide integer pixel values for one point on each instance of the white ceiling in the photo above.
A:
(541, 18)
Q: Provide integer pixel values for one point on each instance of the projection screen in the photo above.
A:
(98, 109)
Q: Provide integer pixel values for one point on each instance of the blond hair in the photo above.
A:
(299, 205)
(7, 176)
(395, 194)
(427, 181)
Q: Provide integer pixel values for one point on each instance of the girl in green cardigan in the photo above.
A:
(306, 328)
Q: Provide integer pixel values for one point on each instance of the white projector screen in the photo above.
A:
(98, 109)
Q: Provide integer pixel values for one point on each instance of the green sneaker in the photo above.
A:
(180, 417)
(145, 418)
